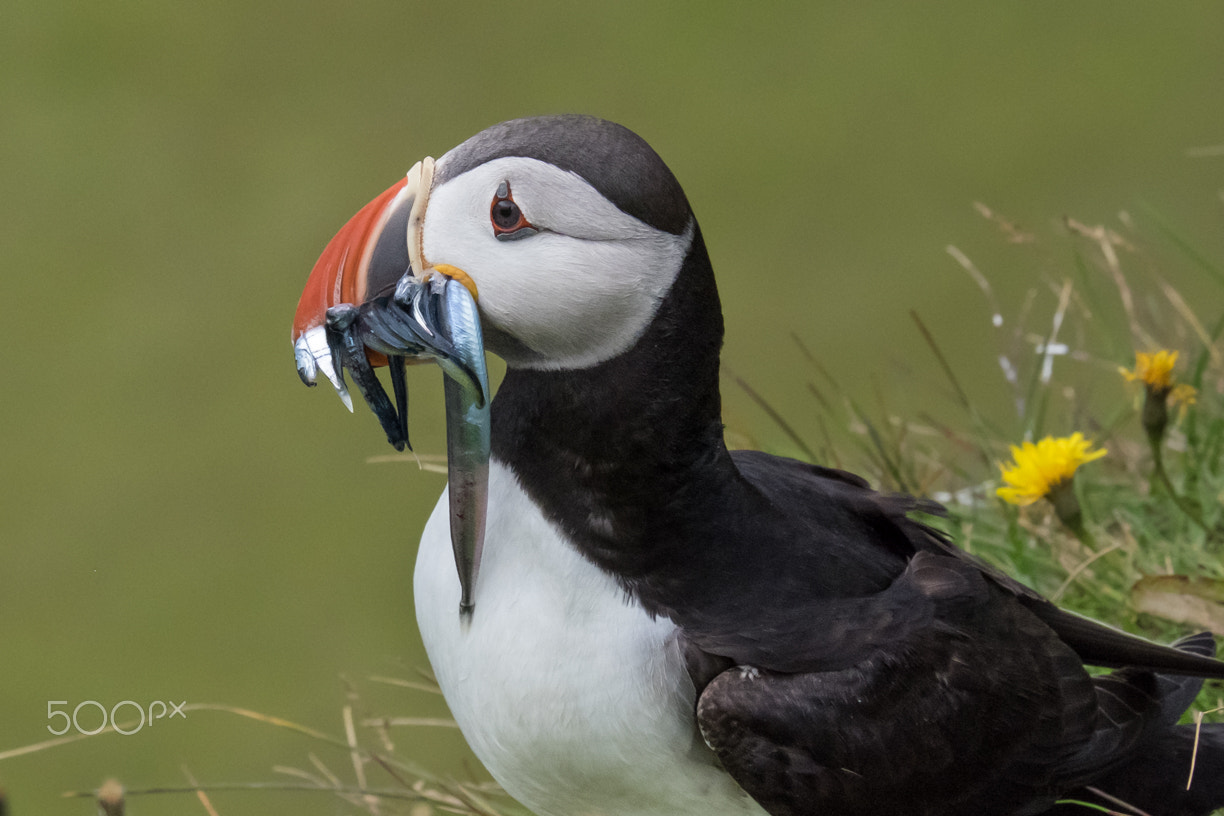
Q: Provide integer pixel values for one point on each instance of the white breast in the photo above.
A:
(574, 699)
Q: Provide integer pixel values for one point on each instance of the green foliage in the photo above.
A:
(1149, 556)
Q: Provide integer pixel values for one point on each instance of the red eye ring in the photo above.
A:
(508, 220)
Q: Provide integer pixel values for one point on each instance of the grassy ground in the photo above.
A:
(1147, 549)
(1134, 537)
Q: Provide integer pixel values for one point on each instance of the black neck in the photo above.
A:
(616, 453)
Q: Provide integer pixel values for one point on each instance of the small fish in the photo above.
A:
(428, 318)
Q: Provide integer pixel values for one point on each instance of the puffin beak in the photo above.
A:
(371, 300)
(376, 237)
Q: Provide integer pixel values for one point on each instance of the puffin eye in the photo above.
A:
(509, 223)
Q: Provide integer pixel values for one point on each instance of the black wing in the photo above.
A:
(976, 707)
(884, 529)
(949, 689)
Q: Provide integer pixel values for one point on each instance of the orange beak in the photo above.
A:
(377, 247)
(341, 275)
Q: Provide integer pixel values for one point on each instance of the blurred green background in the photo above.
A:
(181, 520)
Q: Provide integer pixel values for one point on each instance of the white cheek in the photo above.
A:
(579, 302)
(574, 301)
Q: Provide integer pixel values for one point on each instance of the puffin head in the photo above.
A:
(554, 242)
(566, 230)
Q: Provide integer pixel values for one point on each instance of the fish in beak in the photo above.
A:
(372, 300)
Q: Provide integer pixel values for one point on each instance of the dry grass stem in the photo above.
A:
(412, 722)
(1198, 730)
(200, 794)
(1075, 573)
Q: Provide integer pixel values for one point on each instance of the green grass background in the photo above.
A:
(180, 519)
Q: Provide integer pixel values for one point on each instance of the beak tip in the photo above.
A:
(307, 369)
(313, 355)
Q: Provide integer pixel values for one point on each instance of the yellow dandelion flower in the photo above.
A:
(1038, 469)
(1155, 370)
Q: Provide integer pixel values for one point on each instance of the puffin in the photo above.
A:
(625, 617)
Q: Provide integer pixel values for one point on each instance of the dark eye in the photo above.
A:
(509, 223)
(506, 214)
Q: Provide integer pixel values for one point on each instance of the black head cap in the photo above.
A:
(611, 158)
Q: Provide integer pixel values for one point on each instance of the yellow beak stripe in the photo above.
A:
(454, 273)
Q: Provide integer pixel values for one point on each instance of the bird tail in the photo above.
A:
(1101, 645)
(1179, 773)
